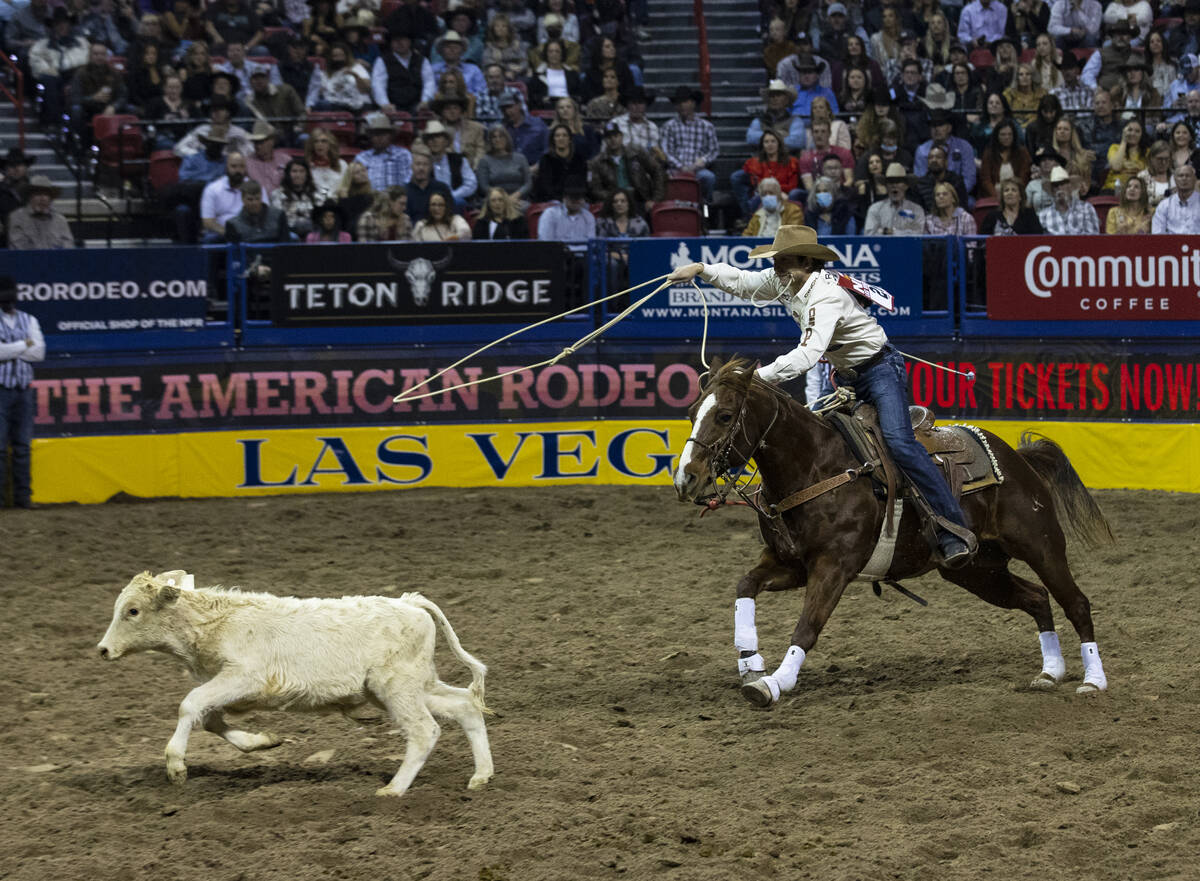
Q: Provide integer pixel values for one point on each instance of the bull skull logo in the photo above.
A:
(420, 274)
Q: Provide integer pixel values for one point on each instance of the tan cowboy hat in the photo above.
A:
(937, 98)
(895, 171)
(798, 240)
(1059, 175)
(39, 183)
(779, 86)
(262, 131)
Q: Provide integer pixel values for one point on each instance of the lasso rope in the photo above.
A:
(407, 394)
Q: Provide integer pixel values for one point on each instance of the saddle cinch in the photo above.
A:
(960, 451)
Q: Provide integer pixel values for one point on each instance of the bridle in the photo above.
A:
(720, 450)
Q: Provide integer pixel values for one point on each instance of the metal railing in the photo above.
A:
(18, 99)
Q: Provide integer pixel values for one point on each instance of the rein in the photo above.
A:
(719, 465)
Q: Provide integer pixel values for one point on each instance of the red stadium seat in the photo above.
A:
(981, 58)
(120, 144)
(532, 213)
(1103, 204)
(387, 7)
(262, 59)
(164, 169)
(675, 219)
(983, 207)
(1028, 55)
(272, 34)
(682, 186)
(1167, 23)
(342, 124)
(1084, 54)
(546, 115)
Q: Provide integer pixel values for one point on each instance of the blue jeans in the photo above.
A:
(16, 434)
(708, 182)
(885, 385)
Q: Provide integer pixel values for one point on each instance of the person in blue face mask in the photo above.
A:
(774, 212)
(829, 212)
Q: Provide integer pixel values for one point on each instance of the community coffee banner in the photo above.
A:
(102, 291)
(1093, 278)
(1088, 381)
(894, 264)
(416, 283)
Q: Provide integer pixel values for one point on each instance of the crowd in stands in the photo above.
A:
(986, 116)
(370, 120)
(361, 119)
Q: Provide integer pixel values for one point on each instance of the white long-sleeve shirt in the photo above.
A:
(27, 327)
(834, 322)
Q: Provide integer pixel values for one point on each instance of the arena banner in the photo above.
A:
(1090, 380)
(619, 452)
(408, 283)
(102, 291)
(1093, 278)
(894, 264)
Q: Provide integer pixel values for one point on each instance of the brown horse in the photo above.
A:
(826, 542)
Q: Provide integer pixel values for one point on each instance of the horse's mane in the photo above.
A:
(733, 373)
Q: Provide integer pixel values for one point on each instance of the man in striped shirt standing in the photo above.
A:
(21, 343)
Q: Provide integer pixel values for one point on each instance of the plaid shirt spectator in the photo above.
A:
(642, 135)
(487, 105)
(393, 167)
(891, 69)
(1078, 220)
(1077, 98)
(684, 142)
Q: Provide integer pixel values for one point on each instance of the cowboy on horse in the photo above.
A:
(829, 308)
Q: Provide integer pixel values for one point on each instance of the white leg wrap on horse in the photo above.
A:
(1052, 657)
(752, 664)
(1093, 670)
(785, 675)
(745, 634)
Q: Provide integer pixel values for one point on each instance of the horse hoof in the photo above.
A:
(758, 693)
(1089, 688)
(1044, 682)
(752, 676)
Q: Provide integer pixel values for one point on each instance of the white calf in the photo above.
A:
(260, 651)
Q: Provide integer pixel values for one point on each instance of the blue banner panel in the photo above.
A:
(894, 264)
(106, 291)
(407, 283)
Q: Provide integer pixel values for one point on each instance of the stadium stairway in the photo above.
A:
(92, 219)
(672, 59)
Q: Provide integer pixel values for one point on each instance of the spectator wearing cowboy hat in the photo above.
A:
(266, 161)
(451, 48)
(14, 188)
(52, 61)
(1103, 68)
(777, 115)
(1184, 38)
(619, 168)
(234, 137)
(37, 226)
(960, 156)
(1075, 24)
(552, 28)
(21, 345)
(690, 142)
(387, 163)
(1038, 192)
(1139, 94)
(789, 71)
(461, 20)
(328, 226)
(466, 135)
(896, 215)
(269, 100)
(224, 87)
(1067, 215)
(415, 20)
(450, 167)
(1073, 94)
(808, 86)
(639, 132)
(402, 78)
(356, 34)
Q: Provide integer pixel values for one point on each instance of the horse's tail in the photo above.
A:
(477, 667)
(1072, 499)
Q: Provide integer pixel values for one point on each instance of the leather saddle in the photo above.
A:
(961, 452)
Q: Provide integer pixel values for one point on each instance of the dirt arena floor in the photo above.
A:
(911, 748)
